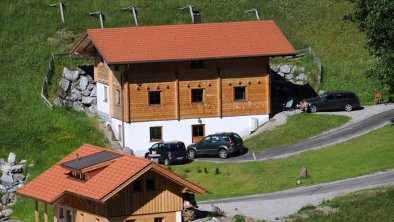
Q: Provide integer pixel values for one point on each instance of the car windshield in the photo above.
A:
(175, 147)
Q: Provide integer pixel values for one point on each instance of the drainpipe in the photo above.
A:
(122, 100)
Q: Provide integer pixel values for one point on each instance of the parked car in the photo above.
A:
(221, 144)
(334, 100)
(168, 152)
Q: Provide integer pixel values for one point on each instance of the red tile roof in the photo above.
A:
(190, 41)
(53, 183)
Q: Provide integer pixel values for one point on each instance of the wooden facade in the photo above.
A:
(175, 82)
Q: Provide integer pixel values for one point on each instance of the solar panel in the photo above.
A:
(90, 160)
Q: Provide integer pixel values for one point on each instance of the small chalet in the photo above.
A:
(182, 82)
(95, 184)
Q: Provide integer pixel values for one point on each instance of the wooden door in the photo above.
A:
(198, 132)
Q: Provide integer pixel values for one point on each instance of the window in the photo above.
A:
(119, 132)
(105, 94)
(155, 133)
(61, 214)
(198, 130)
(159, 219)
(117, 96)
(154, 98)
(150, 185)
(197, 64)
(239, 93)
(197, 95)
(137, 186)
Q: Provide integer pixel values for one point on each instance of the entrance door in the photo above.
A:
(198, 132)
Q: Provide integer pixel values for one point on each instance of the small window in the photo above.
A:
(225, 138)
(61, 214)
(215, 139)
(155, 133)
(154, 98)
(105, 94)
(137, 186)
(150, 185)
(198, 130)
(240, 93)
(117, 96)
(197, 95)
(197, 64)
(159, 219)
(119, 132)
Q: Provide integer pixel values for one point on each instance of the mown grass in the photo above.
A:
(297, 128)
(369, 205)
(367, 154)
(34, 132)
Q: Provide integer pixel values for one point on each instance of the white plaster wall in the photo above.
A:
(137, 135)
(178, 216)
(102, 106)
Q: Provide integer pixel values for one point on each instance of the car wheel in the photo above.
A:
(192, 154)
(167, 162)
(348, 107)
(312, 108)
(223, 153)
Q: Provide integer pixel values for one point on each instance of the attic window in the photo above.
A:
(137, 186)
(78, 175)
(198, 64)
(150, 185)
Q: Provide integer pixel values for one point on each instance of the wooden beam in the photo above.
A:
(178, 108)
(220, 91)
(45, 212)
(36, 210)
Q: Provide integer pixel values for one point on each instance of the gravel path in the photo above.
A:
(279, 204)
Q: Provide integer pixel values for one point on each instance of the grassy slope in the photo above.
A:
(298, 127)
(37, 133)
(368, 205)
(369, 153)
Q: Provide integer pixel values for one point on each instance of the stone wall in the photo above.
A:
(78, 91)
(12, 179)
(292, 73)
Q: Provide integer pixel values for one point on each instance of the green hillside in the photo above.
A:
(37, 133)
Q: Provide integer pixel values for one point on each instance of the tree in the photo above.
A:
(376, 19)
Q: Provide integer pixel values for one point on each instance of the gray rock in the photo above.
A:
(6, 213)
(90, 79)
(274, 68)
(31, 164)
(6, 168)
(89, 100)
(289, 76)
(3, 189)
(23, 162)
(92, 108)
(71, 75)
(299, 83)
(57, 102)
(2, 161)
(13, 189)
(82, 83)
(94, 92)
(63, 95)
(77, 106)
(75, 94)
(85, 93)
(5, 199)
(64, 84)
(6, 180)
(11, 158)
(17, 168)
(286, 68)
(91, 86)
(294, 69)
(19, 177)
(300, 77)
(303, 172)
(281, 74)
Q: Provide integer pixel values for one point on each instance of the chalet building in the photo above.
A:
(182, 82)
(95, 184)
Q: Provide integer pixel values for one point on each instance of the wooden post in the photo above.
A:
(45, 212)
(36, 210)
(178, 113)
(54, 213)
(220, 91)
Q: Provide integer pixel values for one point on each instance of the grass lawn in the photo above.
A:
(366, 154)
(298, 127)
(369, 205)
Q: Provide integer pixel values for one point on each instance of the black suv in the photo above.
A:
(334, 100)
(168, 152)
(221, 144)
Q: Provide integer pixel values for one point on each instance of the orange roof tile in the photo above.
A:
(188, 42)
(54, 182)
